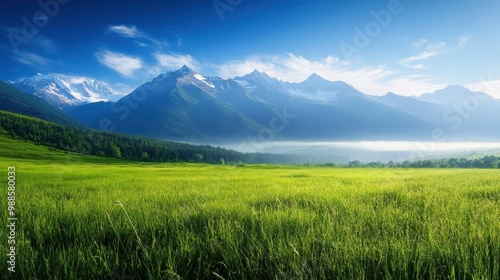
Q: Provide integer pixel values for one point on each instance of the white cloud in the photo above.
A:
(141, 44)
(29, 58)
(409, 61)
(123, 64)
(490, 86)
(47, 44)
(419, 43)
(133, 32)
(437, 47)
(331, 59)
(176, 61)
(234, 68)
(292, 68)
(431, 50)
(126, 31)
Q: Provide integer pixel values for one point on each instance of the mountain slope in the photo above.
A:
(453, 95)
(179, 105)
(430, 112)
(318, 89)
(361, 118)
(64, 91)
(184, 105)
(16, 101)
(467, 115)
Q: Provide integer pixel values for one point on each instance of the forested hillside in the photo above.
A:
(14, 100)
(92, 142)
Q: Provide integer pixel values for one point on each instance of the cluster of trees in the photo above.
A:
(115, 145)
(479, 162)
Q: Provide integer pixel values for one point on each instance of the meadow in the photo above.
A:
(92, 218)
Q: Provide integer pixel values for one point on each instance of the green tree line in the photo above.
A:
(490, 161)
(91, 142)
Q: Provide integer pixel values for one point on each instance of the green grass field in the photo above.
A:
(90, 218)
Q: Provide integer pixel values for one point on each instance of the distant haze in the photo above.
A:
(371, 150)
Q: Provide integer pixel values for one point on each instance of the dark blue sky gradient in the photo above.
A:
(460, 37)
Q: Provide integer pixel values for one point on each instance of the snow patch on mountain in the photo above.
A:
(64, 91)
(319, 95)
(203, 79)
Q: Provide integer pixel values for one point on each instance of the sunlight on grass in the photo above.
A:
(205, 221)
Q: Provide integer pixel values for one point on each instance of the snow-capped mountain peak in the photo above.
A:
(184, 76)
(315, 79)
(319, 89)
(63, 90)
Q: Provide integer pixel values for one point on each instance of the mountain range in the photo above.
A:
(64, 91)
(185, 105)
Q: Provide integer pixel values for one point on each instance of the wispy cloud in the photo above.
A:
(294, 68)
(490, 85)
(431, 50)
(126, 31)
(121, 63)
(30, 51)
(410, 61)
(419, 43)
(376, 80)
(39, 41)
(439, 47)
(133, 32)
(462, 41)
(47, 44)
(176, 61)
(29, 58)
(141, 44)
(127, 65)
(179, 41)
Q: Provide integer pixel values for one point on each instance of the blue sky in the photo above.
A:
(408, 47)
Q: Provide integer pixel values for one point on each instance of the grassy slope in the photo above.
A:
(256, 222)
